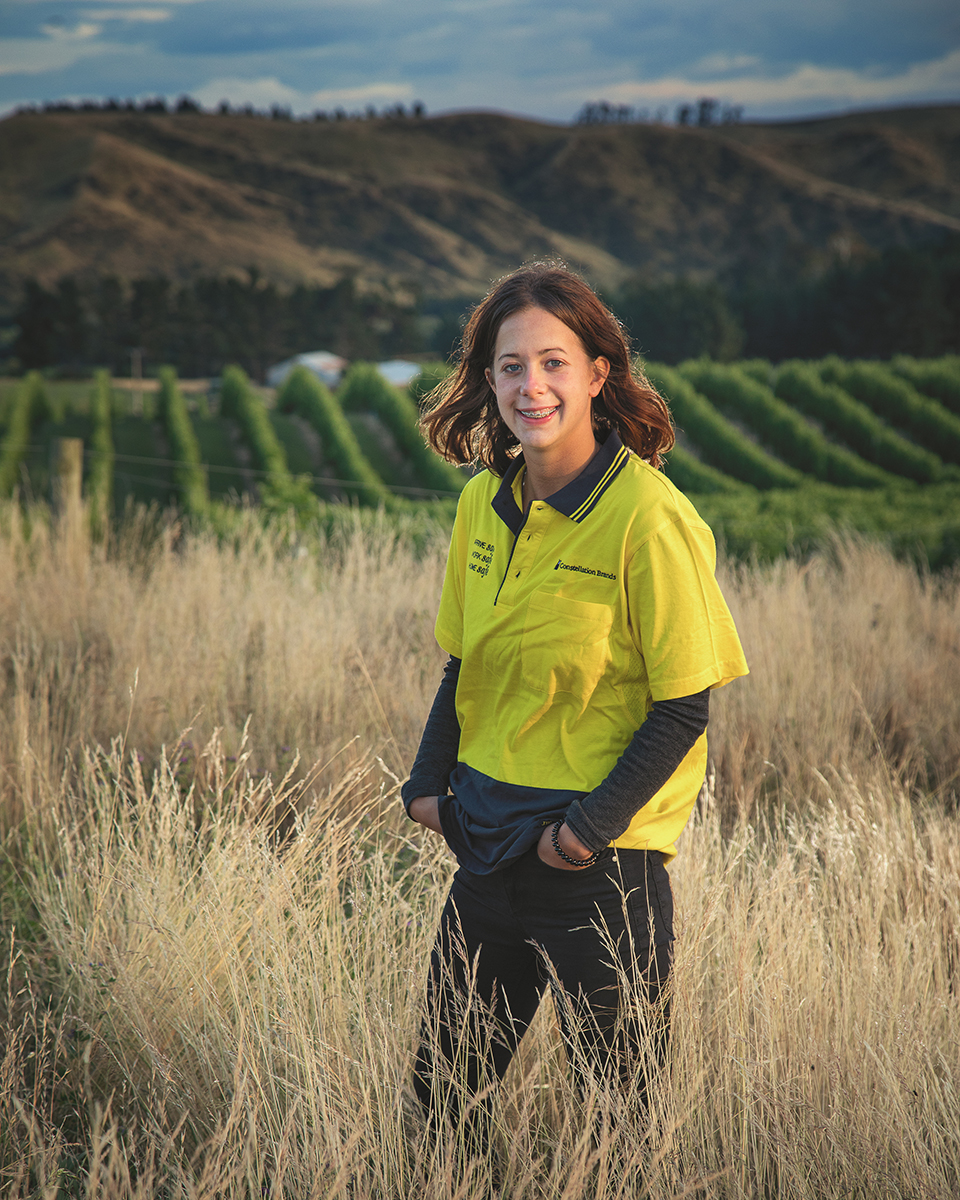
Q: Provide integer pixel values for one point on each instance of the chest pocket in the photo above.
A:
(565, 645)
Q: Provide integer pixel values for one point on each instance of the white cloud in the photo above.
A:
(268, 90)
(36, 56)
(128, 14)
(79, 33)
(936, 79)
(371, 93)
(718, 64)
(261, 93)
(167, 3)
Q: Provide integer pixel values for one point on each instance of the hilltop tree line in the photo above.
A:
(706, 113)
(900, 302)
(157, 105)
(201, 326)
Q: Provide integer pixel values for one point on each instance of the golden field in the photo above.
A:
(217, 916)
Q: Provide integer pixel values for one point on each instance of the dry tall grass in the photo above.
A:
(320, 642)
(853, 658)
(197, 1008)
(236, 1021)
(325, 640)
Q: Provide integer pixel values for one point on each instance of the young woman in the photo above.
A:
(566, 745)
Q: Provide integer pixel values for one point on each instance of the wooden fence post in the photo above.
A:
(67, 480)
(136, 374)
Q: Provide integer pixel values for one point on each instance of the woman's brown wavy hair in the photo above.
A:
(461, 420)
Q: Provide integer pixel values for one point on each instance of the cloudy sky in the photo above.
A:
(542, 58)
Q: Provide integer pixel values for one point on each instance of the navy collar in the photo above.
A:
(575, 500)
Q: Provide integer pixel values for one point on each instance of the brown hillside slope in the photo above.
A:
(448, 202)
(905, 154)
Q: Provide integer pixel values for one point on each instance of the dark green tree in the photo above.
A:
(673, 321)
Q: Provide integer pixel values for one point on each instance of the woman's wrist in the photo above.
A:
(569, 847)
(571, 844)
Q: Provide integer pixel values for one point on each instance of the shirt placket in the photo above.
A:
(522, 570)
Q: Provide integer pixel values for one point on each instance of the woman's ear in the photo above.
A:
(601, 368)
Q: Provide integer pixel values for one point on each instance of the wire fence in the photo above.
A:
(327, 481)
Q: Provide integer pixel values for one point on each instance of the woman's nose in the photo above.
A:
(532, 383)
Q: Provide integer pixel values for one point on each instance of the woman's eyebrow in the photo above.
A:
(549, 350)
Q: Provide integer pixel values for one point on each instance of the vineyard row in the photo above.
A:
(769, 451)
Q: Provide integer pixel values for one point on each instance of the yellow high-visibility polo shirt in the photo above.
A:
(570, 624)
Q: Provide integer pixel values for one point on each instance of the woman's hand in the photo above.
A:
(568, 842)
(425, 810)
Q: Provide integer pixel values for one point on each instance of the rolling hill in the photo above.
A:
(445, 203)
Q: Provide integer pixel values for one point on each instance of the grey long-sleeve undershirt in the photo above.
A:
(651, 757)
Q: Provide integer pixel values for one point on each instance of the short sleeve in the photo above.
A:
(680, 619)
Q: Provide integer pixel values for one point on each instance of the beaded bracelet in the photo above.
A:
(574, 862)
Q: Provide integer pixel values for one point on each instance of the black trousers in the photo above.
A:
(600, 938)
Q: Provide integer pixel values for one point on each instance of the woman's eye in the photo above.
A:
(554, 362)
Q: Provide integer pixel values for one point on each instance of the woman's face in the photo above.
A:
(545, 385)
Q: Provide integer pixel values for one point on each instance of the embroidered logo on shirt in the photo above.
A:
(562, 566)
(481, 557)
